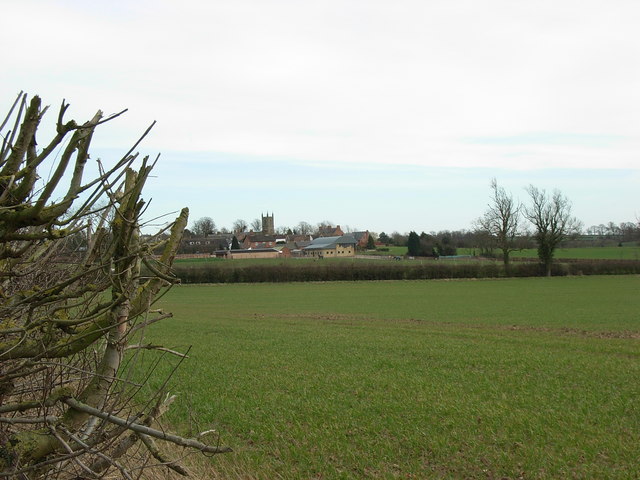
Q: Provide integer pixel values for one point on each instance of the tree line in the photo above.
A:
(545, 222)
(206, 226)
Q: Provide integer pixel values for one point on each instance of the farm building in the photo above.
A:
(329, 231)
(362, 238)
(257, 240)
(206, 244)
(342, 246)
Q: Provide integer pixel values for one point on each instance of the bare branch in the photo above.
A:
(160, 348)
(136, 427)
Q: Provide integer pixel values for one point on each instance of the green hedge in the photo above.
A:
(212, 273)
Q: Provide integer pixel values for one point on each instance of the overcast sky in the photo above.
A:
(379, 115)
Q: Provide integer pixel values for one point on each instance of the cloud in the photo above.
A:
(426, 97)
(358, 81)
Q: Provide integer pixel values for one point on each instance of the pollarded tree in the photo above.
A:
(74, 299)
(204, 226)
(552, 220)
(501, 221)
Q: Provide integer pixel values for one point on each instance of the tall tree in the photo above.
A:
(371, 242)
(256, 225)
(384, 238)
(304, 228)
(204, 226)
(413, 244)
(73, 299)
(429, 245)
(501, 220)
(551, 217)
(240, 226)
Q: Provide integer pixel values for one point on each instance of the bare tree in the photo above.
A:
(304, 228)
(501, 220)
(324, 224)
(551, 217)
(204, 226)
(73, 300)
(256, 225)
(240, 226)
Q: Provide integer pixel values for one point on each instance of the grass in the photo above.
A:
(523, 378)
(387, 251)
(587, 253)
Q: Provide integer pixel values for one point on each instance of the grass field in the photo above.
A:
(588, 253)
(522, 378)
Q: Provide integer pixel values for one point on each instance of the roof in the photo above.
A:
(359, 235)
(330, 242)
(259, 237)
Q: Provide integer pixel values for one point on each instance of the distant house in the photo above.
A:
(208, 244)
(329, 231)
(362, 238)
(337, 246)
(257, 240)
(294, 248)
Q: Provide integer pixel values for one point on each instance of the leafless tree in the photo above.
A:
(501, 220)
(204, 226)
(324, 224)
(304, 228)
(239, 226)
(552, 220)
(75, 301)
(256, 225)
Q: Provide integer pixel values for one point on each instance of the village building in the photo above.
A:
(362, 238)
(338, 246)
(293, 247)
(330, 231)
(257, 240)
(208, 244)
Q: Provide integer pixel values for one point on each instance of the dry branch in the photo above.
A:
(73, 289)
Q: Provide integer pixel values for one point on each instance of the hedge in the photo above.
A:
(212, 273)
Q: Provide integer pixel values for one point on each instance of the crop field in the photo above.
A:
(511, 378)
(587, 253)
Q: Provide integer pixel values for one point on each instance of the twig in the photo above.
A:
(104, 457)
(152, 432)
(29, 420)
(69, 450)
(153, 449)
(150, 346)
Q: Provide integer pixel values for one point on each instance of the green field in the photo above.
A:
(515, 378)
(586, 253)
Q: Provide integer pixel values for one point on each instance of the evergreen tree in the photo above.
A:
(413, 244)
(371, 244)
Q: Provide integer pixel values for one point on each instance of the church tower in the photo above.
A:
(267, 224)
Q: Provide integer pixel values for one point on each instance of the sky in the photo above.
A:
(374, 115)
